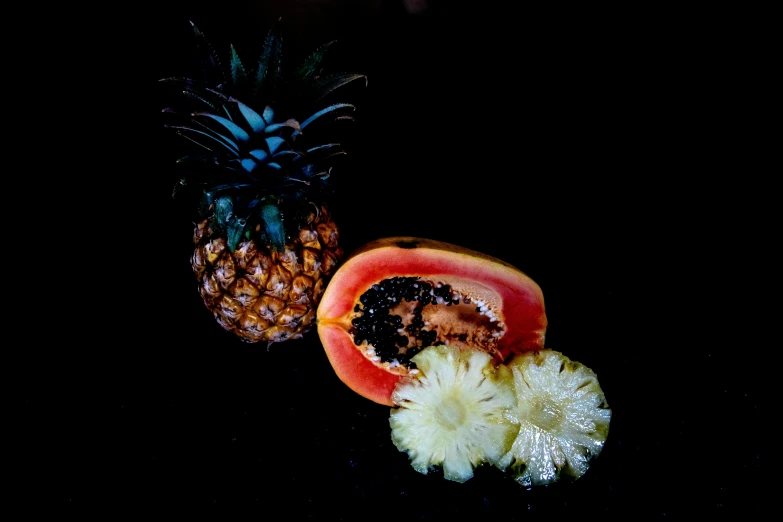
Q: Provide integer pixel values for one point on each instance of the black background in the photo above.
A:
(581, 146)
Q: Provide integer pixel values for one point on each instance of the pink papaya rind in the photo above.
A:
(353, 368)
(522, 301)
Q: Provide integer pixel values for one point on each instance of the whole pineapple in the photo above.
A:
(265, 244)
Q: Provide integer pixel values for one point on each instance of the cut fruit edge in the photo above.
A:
(560, 405)
(518, 296)
(455, 428)
(562, 419)
(522, 298)
(348, 362)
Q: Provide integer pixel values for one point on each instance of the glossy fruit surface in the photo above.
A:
(395, 296)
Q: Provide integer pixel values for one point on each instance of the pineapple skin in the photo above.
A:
(263, 295)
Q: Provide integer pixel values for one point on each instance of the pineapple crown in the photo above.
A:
(257, 168)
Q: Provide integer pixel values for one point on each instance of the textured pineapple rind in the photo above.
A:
(260, 295)
(562, 442)
(453, 413)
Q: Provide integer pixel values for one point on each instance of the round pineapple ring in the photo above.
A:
(541, 417)
(451, 411)
(563, 418)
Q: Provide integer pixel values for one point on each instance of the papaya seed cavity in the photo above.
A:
(398, 317)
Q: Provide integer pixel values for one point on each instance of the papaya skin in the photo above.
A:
(505, 288)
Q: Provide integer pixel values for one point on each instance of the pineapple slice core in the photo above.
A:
(545, 414)
(451, 414)
(563, 417)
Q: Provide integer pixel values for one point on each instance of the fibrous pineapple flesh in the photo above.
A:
(541, 417)
(563, 418)
(451, 412)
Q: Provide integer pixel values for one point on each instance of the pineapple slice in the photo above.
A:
(563, 417)
(453, 411)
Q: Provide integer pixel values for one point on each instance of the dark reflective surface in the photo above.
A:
(549, 140)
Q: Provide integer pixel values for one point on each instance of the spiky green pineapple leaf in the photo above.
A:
(268, 114)
(235, 231)
(323, 148)
(309, 67)
(224, 209)
(274, 144)
(238, 72)
(326, 110)
(343, 117)
(315, 171)
(290, 123)
(206, 139)
(326, 85)
(287, 155)
(218, 203)
(214, 107)
(215, 101)
(268, 71)
(253, 119)
(273, 225)
(191, 85)
(211, 67)
(238, 132)
(263, 62)
(248, 154)
(261, 155)
(198, 131)
(249, 164)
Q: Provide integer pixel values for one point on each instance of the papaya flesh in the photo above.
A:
(395, 296)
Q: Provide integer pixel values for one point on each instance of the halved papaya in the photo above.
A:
(395, 296)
